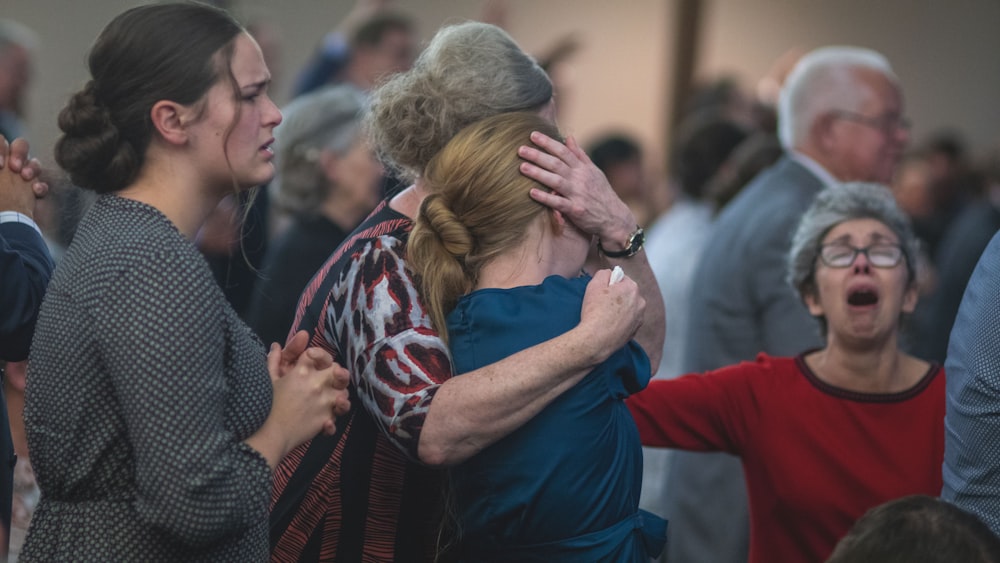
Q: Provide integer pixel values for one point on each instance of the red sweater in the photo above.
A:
(815, 457)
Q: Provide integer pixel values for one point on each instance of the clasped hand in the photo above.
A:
(20, 178)
(310, 389)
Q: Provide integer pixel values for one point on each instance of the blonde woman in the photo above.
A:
(500, 273)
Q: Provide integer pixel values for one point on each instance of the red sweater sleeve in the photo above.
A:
(715, 411)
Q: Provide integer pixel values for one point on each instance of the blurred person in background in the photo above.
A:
(841, 119)
(371, 43)
(328, 180)
(958, 253)
(620, 157)
(17, 42)
(702, 144)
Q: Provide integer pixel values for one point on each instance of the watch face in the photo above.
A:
(636, 241)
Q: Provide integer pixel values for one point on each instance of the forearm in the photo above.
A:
(476, 409)
(682, 413)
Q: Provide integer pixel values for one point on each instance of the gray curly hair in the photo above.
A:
(330, 119)
(835, 205)
(468, 72)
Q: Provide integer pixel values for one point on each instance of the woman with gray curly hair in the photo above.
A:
(373, 491)
(833, 432)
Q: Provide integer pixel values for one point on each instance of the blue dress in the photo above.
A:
(565, 486)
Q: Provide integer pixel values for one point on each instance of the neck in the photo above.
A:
(529, 263)
(873, 369)
(174, 191)
(819, 157)
(408, 201)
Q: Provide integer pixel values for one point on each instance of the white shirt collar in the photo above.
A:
(816, 168)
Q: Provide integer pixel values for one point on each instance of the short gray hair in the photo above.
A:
(329, 119)
(835, 205)
(824, 80)
(468, 72)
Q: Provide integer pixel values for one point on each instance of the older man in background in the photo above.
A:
(16, 45)
(840, 119)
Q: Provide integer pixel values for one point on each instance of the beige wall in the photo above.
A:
(944, 52)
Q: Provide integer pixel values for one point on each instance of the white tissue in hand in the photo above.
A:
(616, 275)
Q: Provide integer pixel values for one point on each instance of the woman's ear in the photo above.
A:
(170, 120)
(824, 131)
(812, 302)
(558, 221)
(910, 298)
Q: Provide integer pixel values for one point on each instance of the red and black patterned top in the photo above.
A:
(360, 495)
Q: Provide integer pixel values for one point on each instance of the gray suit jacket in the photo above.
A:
(740, 306)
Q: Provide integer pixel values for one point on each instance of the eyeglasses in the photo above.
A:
(881, 255)
(886, 123)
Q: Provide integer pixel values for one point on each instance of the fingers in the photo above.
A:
(600, 279)
(295, 347)
(542, 159)
(575, 148)
(274, 361)
(4, 150)
(543, 176)
(18, 155)
(41, 189)
(329, 427)
(342, 405)
(551, 146)
(32, 170)
(319, 358)
(341, 377)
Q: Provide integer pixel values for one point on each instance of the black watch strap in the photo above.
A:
(632, 245)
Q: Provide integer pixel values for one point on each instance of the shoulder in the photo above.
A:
(133, 248)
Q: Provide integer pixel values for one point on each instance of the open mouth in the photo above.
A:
(862, 297)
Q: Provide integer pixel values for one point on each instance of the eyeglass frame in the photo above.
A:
(862, 250)
(886, 123)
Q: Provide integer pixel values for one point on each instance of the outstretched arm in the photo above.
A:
(471, 412)
(581, 192)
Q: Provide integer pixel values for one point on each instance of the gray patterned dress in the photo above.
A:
(142, 385)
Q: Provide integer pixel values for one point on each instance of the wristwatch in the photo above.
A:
(632, 245)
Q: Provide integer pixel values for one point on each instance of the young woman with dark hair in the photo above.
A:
(151, 417)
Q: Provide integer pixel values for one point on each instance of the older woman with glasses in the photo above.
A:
(831, 433)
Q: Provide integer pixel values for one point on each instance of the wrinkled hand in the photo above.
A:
(309, 394)
(20, 183)
(611, 313)
(581, 192)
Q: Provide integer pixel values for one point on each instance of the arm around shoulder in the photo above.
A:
(471, 412)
